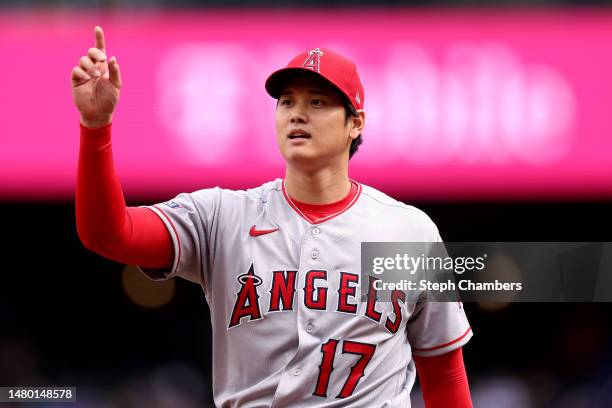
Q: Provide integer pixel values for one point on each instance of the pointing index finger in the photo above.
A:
(100, 39)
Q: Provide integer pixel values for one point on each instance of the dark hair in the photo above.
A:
(351, 112)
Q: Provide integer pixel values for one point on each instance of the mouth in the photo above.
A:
(298, 134)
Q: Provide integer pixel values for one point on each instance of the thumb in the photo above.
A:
(114, 75)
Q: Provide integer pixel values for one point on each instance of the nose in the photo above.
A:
(298, 115)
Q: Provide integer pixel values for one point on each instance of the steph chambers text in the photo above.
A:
(464, 284)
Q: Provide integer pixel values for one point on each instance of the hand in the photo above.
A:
(96, 84)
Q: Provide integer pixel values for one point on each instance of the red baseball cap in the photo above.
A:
(333, 67)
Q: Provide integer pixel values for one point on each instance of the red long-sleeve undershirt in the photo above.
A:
(132, 235)
(444, 381)
(136, 235)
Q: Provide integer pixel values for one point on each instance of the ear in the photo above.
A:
(357, 123)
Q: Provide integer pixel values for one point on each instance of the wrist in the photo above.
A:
(95, 138)
(95, 124)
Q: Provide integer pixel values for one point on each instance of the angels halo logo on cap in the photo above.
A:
(313, 61)
(333, 67)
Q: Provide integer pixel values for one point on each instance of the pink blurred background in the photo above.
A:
(459, 104)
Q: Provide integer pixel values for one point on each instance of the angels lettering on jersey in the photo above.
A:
(248, 307)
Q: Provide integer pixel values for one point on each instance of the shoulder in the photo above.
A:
(216, 202)
(258, 194)
(377, 198)
(401, 213)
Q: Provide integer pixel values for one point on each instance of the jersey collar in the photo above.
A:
(328, 217)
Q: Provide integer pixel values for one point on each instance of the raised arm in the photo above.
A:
(105, 225)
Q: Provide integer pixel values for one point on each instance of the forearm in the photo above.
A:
(104, 224)
(100, 205)
(444, 381)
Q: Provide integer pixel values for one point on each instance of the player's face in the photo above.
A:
(311, 126)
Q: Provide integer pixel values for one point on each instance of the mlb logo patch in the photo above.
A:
(172, 204)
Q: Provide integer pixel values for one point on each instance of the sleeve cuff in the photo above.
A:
(95, 130)
(162, 274)
(95, 139)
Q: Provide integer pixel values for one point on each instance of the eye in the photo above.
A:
(285, 102)
(317, 102)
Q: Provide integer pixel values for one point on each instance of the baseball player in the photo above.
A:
(279, 264)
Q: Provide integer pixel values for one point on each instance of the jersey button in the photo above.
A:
(316, 231)
(314, 254)
(297, 372)
(310, 328)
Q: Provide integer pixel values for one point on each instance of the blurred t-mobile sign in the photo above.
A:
(457, 106)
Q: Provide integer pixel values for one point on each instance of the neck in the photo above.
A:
(323, 186)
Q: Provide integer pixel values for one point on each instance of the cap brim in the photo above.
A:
(275, 82)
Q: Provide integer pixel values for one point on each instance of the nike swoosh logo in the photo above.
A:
(255, 232)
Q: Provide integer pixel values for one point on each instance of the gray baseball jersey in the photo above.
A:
(288, 326)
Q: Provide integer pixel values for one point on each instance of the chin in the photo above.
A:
(299, 156)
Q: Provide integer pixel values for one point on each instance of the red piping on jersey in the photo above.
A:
(328, 217)
(445, 344)
(178, 240)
